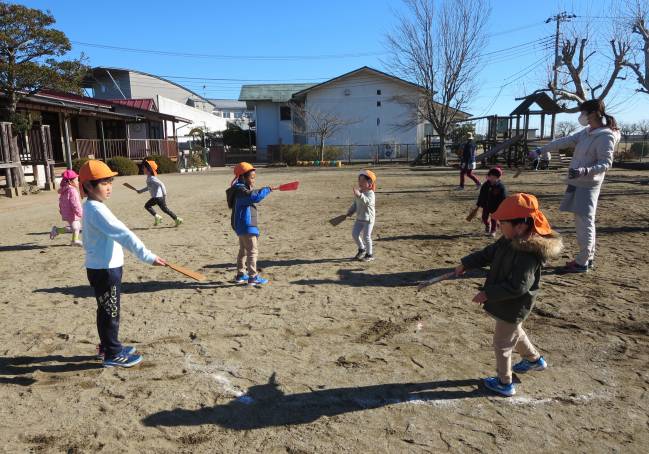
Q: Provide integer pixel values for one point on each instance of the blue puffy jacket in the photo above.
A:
(242, 199)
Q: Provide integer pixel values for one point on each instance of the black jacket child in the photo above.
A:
(491, 196)
(514, 273)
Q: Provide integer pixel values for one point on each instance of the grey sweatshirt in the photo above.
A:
(363, 206)
(155, 187)
(593, 150)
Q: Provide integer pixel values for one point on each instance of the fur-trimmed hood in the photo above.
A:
(546, 247)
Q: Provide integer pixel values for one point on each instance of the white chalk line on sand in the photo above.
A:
(216, 372)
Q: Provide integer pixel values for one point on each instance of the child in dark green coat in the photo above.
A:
(515, 260)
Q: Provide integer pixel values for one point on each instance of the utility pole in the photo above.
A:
(561, 17)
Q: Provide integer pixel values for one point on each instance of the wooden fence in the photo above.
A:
(132, 148)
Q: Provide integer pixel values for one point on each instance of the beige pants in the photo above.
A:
(247, 258)
(509, 337)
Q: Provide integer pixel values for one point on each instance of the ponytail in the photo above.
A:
(611, 123)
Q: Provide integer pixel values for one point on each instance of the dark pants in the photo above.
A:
(107, 285)
(490, 226)
(468, 173)
(162, 203)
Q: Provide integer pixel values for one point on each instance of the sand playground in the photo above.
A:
(334, 355)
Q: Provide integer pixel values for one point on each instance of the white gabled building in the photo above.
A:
(371, 102)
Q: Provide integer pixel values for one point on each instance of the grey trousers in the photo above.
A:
(585, 228)
(362, 234)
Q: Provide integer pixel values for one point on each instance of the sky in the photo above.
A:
(232, 43)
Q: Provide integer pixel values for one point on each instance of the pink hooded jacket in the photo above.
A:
(69, 202)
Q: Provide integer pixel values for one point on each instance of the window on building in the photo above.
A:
(378, 103)
(378, 92)
(284, 113)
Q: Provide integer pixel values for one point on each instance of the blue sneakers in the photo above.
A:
(241, 279)
(493, 384)
(525, 365)
(257, 280)
(129, 350)
(574, 267)
(123, 360)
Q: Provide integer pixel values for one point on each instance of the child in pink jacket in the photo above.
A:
(70, 207)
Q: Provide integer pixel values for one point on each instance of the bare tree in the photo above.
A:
(438, 47)
(643, 128)
(639, 12)
(565, 128)
(575, 86)
(320, 124)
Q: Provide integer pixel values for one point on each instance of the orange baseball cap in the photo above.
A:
(369, 174)
(94, 170)
(521, 206)
(152, 165)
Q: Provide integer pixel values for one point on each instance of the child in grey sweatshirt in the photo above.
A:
(363, 206)
(158, 194)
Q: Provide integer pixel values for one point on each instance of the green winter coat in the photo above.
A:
(514, 273)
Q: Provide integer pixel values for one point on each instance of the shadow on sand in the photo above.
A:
(267, 406)
(85, 291)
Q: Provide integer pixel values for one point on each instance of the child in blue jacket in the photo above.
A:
(242, 199)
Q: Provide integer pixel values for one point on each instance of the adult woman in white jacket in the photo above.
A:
(593, 156)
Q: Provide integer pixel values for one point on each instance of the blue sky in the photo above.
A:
(355, 29)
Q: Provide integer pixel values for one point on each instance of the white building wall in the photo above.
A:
(199, 118)
(355, 99)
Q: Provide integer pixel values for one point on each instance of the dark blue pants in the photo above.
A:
(107, 285)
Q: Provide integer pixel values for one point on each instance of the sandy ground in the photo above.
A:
(334, 355)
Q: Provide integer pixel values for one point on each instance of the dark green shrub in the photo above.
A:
(77, 163)
(332, 153)
(165, 165)
(123, 166)
(639, 149)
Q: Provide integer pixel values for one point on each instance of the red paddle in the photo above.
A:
(289, 186)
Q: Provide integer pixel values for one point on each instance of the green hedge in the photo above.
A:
(639, 149)
(165, 165)
(123, 166)
(77, 163)
(297, 152)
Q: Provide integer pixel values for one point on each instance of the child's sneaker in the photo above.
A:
(257, 280)
(157, 221)
(241, 279)
(459, 188)
(368, 258)
(360, 254)
(123, 360)
(574, 267)
(179, 221)
(493, 384)
(525, 365)
(101, 353)
(76, 243)
(54, 232)
(478, 186)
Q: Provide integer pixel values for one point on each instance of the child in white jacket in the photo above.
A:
(363, 206)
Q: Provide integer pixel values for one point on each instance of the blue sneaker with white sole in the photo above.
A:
(525, 365)
(493, 384)
(241, 279)
(101, 354)
(123, 360)
(257, 280)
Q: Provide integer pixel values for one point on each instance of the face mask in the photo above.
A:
(583, 119)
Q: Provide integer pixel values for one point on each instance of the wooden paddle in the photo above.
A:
(472, 214)
(435, 280)
(337, 220)
(292, 186)
(130, 186)
(187, 272)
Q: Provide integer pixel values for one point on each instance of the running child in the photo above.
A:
(104, 236)
(492, 193)
(242, 198)
(508, 295)
(363, 206)
(158, 193)
(69, 207)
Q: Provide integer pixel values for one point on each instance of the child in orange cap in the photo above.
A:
(242, 199)
(515, 260)
(158, 193)
(69, 207)
(364, 207)
(103, 238)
